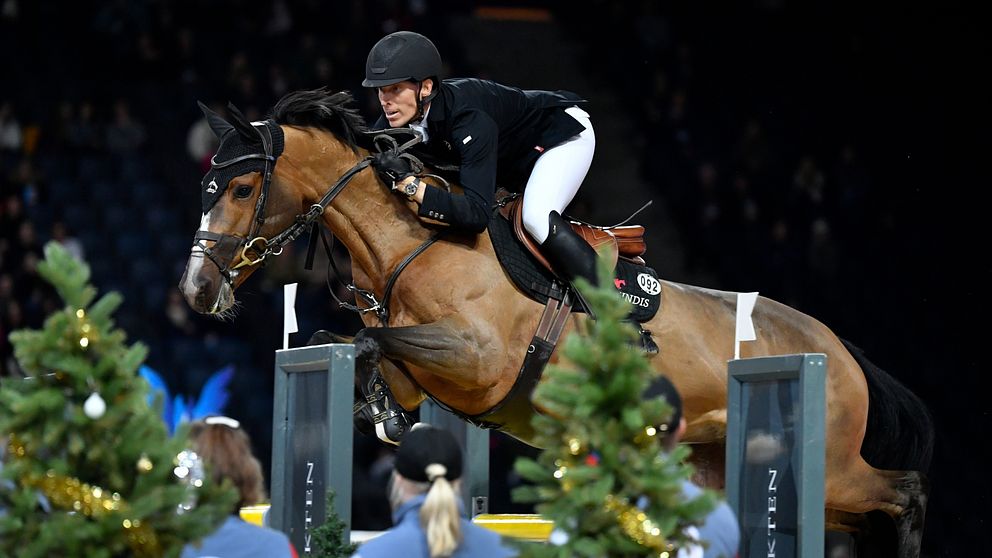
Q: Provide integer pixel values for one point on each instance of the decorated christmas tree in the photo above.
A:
(603, 477)
(88, 467)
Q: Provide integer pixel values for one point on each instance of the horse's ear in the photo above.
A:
(216, 121)
(241, 123)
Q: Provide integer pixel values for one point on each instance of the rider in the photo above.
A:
(488, 129)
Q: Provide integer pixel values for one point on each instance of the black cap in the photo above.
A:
(401, 56)
(661, 386)
(427, 445)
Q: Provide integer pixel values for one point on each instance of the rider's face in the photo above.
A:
(399, 101)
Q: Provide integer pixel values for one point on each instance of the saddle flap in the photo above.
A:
(622, 242)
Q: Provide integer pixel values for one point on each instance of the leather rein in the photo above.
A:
(228, 247)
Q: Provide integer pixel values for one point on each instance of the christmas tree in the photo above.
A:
(329, 537)
(89, 468)
(603, 477)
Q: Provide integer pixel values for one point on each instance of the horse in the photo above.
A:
(458, 328)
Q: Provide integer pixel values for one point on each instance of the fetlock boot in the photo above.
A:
(570, 254)
(376, 411)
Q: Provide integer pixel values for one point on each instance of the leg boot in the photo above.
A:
(571, 255)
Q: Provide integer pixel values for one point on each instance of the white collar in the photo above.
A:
(421, 127)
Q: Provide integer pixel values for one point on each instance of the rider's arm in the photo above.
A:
(475, 136)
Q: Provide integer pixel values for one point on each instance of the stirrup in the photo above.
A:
(379, 413)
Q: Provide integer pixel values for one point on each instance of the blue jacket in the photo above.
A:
(238, 539)
(720, 529)
(407, 538)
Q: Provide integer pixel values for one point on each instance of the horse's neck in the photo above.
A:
(376, 227)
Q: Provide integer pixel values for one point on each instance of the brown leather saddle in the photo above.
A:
(625, 242)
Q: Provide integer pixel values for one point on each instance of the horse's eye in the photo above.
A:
(242, 191)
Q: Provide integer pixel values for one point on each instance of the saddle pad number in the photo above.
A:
(648, 284)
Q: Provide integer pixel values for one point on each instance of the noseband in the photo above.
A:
(227, 247)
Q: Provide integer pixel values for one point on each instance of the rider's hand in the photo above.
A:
(391, 167)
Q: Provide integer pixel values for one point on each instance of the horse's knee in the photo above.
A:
(367, 349)
(707, 427)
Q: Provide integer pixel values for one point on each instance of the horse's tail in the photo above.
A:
(900, 432)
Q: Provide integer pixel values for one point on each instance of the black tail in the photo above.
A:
(900, 433)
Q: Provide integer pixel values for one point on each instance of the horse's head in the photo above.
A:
(242, 210)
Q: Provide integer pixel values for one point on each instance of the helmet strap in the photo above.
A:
(420, 102)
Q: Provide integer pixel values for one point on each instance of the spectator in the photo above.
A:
(125, 135)
(423, 493)
(720, 531)
(10, 128)
(201, 142)
(83, 132)
(226, 451)
(60, 234)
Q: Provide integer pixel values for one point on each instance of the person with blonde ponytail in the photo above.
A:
(428, 518)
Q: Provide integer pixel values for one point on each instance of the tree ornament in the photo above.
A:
(558, 537)
(144, 464)
(189, 471)
(95, 406)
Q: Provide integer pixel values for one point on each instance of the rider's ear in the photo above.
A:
(217, 124)
(426, 87)
(241, 123)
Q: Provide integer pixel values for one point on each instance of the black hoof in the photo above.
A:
(323, 337)
(647, 343)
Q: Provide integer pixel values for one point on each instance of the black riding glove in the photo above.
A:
(392, 167)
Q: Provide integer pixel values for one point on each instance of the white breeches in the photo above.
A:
(556, 177)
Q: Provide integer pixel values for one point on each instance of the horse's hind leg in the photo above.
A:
(900, 494)
(909, 523)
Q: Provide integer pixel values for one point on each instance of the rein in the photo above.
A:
(226, 246)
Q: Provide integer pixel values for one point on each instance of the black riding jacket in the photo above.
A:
(493, 132)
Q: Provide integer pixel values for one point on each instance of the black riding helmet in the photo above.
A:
(403, 56)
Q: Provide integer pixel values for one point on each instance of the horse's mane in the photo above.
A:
(320, 108)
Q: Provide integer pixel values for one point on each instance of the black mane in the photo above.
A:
(319, 108)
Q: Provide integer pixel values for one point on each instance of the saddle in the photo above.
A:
(621, 242)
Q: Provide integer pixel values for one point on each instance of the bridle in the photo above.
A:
(228, 247)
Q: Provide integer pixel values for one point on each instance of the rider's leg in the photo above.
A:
(553, 182)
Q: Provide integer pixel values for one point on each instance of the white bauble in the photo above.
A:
(95, 406)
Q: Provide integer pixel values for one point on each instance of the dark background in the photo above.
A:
(737, 121)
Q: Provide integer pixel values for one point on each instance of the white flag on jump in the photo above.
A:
(289, 313)
(745, 327)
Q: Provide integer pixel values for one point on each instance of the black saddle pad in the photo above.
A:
(638, 284)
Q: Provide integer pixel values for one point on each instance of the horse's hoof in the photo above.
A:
(647, 343)
(321, 337)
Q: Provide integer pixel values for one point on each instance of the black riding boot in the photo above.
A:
(572, 256)
(569, 253)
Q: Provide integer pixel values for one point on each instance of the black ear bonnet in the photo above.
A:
(238, 139)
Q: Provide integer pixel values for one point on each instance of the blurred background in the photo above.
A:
(820, 153)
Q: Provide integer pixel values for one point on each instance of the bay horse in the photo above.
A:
(458, 328)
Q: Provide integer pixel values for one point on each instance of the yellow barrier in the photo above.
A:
(530, 527)
(253, 514)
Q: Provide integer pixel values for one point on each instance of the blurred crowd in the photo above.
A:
(102, 148)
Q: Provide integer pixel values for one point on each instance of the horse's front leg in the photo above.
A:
(408, 394)
(446, 348)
